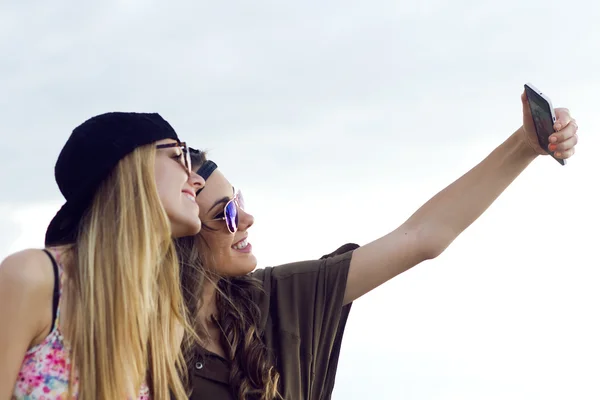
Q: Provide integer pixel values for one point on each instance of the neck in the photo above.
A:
(209, 304)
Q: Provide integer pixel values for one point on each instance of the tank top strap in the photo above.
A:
(58, 269)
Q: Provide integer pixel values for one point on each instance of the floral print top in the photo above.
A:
(44, 373)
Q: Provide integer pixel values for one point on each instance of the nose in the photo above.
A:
(196, 181)
(245, 220)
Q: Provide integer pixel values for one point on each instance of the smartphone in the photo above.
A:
(543, 116)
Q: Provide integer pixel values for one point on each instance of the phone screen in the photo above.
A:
(542, 118)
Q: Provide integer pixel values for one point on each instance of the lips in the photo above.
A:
(189, 194)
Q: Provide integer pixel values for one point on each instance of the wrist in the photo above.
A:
(523, 145)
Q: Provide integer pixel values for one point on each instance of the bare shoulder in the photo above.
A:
(28, 270)
(27, 284)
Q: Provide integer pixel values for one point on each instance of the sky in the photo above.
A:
(338, 119)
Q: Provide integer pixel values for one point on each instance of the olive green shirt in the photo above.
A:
(302, 325)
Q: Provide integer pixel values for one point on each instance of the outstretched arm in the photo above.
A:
(431, 229)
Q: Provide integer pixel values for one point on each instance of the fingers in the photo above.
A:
(563, 118)
(565, 145)
(565, 154)
(565, 149)
(564, 139)
(563, 142)
(567, 131)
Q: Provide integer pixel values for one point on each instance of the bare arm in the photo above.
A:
(26, 284)
(431, 229)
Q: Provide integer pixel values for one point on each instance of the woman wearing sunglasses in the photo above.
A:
(277, 331)
(99, 313)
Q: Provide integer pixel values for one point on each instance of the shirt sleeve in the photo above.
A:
(304, 300)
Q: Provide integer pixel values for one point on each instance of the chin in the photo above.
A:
(184, 225)
(246, 269)
(187, 230)
(242, 267)
(252, 263)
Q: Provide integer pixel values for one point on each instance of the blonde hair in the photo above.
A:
(126, 314)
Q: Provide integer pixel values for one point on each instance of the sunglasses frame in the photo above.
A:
(238, 200)
(187, 159)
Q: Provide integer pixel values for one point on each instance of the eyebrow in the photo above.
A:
(220, 201)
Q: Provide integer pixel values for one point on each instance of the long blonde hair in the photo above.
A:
(126, 314)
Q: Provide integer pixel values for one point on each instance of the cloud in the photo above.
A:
(338, 120)
(24, 226)
(223, 73)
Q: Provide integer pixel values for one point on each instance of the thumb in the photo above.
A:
(525, 103)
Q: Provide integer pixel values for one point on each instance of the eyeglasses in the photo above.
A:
(231, 211)
(187, 161)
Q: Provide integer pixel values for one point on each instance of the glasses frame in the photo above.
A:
(187, 160)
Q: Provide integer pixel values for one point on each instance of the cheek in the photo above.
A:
(223, 247)
(168, 184)
(165, 192)
(218, 249)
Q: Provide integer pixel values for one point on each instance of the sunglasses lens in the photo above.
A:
(231, 216)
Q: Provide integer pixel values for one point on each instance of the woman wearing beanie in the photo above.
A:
(99, 313)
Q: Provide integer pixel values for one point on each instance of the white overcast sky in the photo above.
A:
(338, 119)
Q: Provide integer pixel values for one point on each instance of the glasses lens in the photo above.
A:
(186, 157)
(231, 216)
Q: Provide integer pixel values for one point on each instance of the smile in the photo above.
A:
(190, 195)
(242, 244)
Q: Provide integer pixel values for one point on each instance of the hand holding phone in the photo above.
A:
(543, 116)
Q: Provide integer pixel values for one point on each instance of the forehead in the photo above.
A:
(217, 187)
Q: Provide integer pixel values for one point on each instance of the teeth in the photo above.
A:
(189, 196)
(241, 245)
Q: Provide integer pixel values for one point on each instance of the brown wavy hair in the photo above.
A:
(253, 373)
